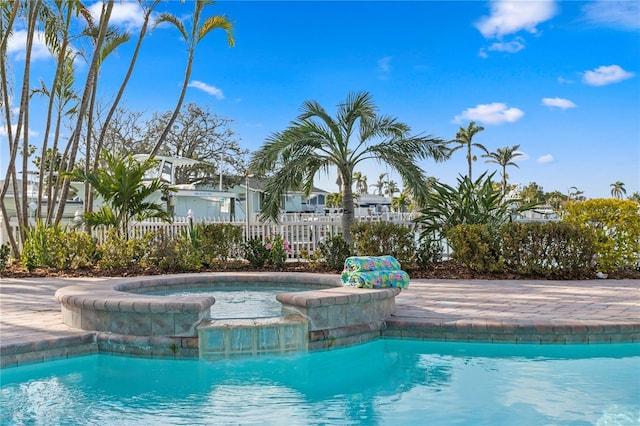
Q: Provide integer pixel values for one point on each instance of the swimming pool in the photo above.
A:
(384, 382)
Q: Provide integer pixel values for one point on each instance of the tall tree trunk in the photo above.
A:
(84, 105)
(347, 205)
(114, 106)
(7, 112)
(176, 111)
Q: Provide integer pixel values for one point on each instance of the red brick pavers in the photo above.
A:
(519, 311)
(31, 327)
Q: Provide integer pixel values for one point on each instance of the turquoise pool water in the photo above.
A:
(240, 301)
(385, 382)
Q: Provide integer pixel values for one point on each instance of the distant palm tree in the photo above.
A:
(198, 32)
(334, 200)
(379, 185)
(504, 157)
(390, 188)
(316, 141)
(400, 202)
(361, 182)
(464, 140)
(618, 190)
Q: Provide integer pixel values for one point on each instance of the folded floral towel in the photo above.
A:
(376, 279)
(371, 263)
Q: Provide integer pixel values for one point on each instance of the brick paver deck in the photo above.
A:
(595, 311)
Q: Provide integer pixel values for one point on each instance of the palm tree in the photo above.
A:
(464, 139)
(379, 185)
(126, 196)
(334, 200)
(361, 182)
(390, 188)
(400, 202)
(316, 141)
(618, 190)
(198, 32)
(504, 157)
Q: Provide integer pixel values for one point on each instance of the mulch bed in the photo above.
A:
(444, 270)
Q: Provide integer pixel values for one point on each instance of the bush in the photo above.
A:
(384, 238)
(616, 224)
(49, 246)
(175, 254)
(256, 252)
(429, 253)
(551, 249)
(5, 252)
(334, 251)
(476, 247)
(118, 253)
(220, 241)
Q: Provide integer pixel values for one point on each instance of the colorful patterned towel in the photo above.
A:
(376, 279)
(374, 272)
(371, 263)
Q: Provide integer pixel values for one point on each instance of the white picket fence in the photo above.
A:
(301, 231)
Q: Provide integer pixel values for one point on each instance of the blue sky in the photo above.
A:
(559, 78)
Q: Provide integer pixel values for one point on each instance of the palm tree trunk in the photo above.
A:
(347, 205)
(114, 106)
(176, 111)
(84, 104)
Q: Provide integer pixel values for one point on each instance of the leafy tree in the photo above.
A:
(316, 141)
(532, 193)
(471, 202)
(126, 196)
(200, 135)
(635, 197)
(504, 157)
(618, 190)
(464, 139)
(195, 36)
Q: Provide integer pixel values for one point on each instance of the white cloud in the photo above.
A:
(17, 45)
(207, 88)
(520, 158)
(510, 47)
(494, 113)
(545, 159)
(510, 17)
(3, 131)
(613, 13)
(384, 64)
(563, 80)
(558, 103)
(483, 54)
(605, 75)
(124, 14)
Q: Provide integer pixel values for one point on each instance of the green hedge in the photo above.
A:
(385, 238)
(548, 249)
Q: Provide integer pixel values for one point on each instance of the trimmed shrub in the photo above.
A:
(55, 247)
(550, 249)
(428, 253)
(118, 253)
(5, 254)
(174, 254)
(256, 252)
(616, 224)
(220, 242)
(476, 247)
(334, 251)
(384, 238)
